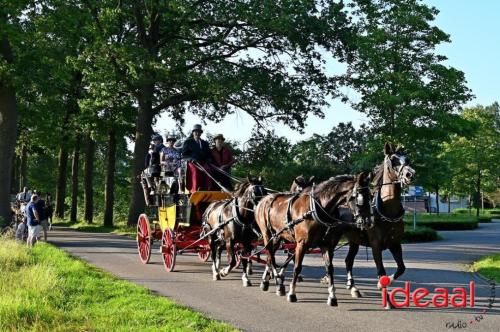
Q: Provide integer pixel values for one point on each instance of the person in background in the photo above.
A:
(24, 196)
(49, 209)
(222, 158)
(197, 152)
(33, 217)
(42, 213)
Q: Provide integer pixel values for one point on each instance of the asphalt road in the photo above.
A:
(431, 265)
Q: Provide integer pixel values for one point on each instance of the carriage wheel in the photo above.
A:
(203, 255)
(168, 250)
(144, 239)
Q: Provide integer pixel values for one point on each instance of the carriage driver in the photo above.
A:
(152, 169)
(197, 152)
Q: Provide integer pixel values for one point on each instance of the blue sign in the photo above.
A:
(419, 191)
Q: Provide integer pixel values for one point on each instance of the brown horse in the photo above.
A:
(309, 220)
(388, 227)
(235, 218)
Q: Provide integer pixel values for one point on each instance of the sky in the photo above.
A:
(474, 29)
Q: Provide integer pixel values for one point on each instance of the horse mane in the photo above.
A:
(241, 187)
(333, 186)
(378, 176)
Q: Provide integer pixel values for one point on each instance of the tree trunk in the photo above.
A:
(14, 185)
(23, 168)
(61, 179)
(8, 128)
(88, 181)
(142, 138)
(437, 200)
(478, 192)
(74, 180)
(109, 195)
(449, 203)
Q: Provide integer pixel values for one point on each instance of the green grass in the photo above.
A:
(489, 267)
(45, 289)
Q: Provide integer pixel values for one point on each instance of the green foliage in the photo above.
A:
(446, 225)
(45, 289)
(420, 234)
(278, 161)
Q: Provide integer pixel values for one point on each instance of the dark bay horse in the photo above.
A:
(309, 220)
(388, 227)
(235, 218)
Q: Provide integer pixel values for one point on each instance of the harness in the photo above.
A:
(377, 202)
(315, 215)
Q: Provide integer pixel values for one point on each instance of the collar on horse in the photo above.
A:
(377, 206)
(331, 222)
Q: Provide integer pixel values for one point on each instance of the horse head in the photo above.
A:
(397, 164)
(359, 200)
(300, 183)
(251, 191)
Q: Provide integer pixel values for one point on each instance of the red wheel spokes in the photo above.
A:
(143, 239)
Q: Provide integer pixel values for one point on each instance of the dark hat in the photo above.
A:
(197, 127)
(219, 136)
(157, 137)
(170, 137)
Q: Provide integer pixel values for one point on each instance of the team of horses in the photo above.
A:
(364, 208)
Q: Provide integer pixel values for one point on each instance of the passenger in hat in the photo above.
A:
(153, 169)
(222, 158)
(169, 154)
(197, 152)
(156, 146)
(170, 158)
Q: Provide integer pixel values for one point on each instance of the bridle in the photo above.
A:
(403, 162)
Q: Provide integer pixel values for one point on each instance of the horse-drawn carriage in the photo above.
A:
(309, 221)
(174, 220)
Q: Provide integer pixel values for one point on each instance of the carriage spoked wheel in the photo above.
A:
(144, 239)
(204, 255)
(168, 249)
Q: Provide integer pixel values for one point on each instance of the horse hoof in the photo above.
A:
(264, 286)
(356, 293)
(300, 279)
(247, 283)
(281, 291)
(292, 298)
(216, 277)
(332, 302)
(324, 280)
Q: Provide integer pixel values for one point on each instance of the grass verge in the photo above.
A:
(45, 289)
(444, 222)
(489, 267)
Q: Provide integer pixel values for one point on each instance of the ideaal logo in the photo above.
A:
(440, 299)
(465, 323)
(460, 297)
